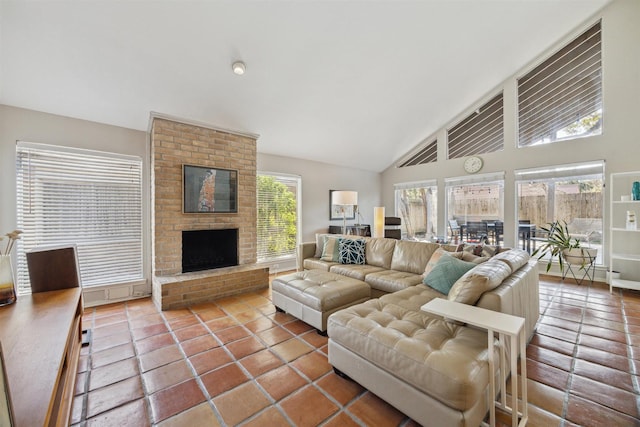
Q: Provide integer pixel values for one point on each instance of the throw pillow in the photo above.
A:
(446, 272)
(436, 257)
(481, 250)
(351, 251)
(330, 250)
(485, 277)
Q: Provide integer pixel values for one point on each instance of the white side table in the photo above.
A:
(504, 325)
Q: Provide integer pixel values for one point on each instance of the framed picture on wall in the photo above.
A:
(6, 412)
(335, 211)
(209, 190)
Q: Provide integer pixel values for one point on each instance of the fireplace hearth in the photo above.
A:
(209, 249)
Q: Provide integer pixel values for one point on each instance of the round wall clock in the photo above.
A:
(473, 164)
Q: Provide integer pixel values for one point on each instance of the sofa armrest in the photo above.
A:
(305, 250)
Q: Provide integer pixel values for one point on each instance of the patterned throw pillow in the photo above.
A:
(446, 272)
(330, 250)
(351, 251)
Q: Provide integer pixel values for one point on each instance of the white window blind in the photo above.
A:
(426, 154)
(480, 132)
(277, 201)
(562, 97)
(89, 198)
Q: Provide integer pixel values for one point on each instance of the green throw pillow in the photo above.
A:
(330, 252)
(446, 272)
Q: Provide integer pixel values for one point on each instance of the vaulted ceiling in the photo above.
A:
(354, 83)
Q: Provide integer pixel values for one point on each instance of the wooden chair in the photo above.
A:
(455, 230)
(476, 232)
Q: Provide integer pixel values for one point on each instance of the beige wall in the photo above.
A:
(618, 145)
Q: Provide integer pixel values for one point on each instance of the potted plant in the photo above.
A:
(559, 244)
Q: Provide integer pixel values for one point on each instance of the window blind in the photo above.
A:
(427, 154)
(84, 197)
(277, 201)
(481, 132)
(415, 184)
(564, 90)
(548, 173)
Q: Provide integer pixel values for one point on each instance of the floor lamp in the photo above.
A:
(344, 199)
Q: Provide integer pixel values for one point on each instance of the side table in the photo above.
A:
(504, 325)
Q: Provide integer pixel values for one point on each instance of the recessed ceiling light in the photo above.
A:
(238, 67)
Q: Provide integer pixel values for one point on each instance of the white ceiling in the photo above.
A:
(356, 83)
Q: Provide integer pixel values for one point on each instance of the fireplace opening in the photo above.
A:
(208, 249)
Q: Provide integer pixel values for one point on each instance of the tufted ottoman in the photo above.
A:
(312, 295)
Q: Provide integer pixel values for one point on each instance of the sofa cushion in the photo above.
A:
(351, 251)
(378, 252)
(446, 272)
(413, 297)
(484, 277)
(412, 257)
(355, 271)
(392, 280)
(317, 264)
(515, 258)
(446, 361)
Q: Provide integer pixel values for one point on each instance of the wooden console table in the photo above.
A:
(41, 338)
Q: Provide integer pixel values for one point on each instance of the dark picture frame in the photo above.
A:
(335, 211)
(6, 409)
(209, 190)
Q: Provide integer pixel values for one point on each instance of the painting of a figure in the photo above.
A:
(209, 190)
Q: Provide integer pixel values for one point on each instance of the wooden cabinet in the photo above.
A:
(624, 241)
(41, 338)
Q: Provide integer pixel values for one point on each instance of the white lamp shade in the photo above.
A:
(378, 221)
(344, 198)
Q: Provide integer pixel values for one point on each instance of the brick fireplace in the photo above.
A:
(176, 143)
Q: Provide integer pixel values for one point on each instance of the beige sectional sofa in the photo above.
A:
(431, 369)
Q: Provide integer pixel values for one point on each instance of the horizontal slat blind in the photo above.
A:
(91, 199)
(551, 173)
(277, 216)
(481, 132)
(562, 90)
(428, 154)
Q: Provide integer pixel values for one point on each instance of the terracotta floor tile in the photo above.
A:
(223, 379)
(231, 334)
(560, 323)
(562, 314)
(549, 357)
(271, 417)
(602, 323)
(313, 365)
(200, 415)
(113, 373)
(315, 339)
(547, 374)
(221, 323)
(199, 344)
(588, 413)
(176, 313)
(297, 327)
(148, 331)
(248, 316)
(114, 354)
(131, 414)
(112, 396)
(341, 419)
(558, 346)
(244, 347)
(149, 319)
(372, 410)
(260, 324)
(240, 403)
(191, 332)
(281, 382)
(604, 374)
(281, 318)
(606, 395)
(260, 362)
(275, 335)
(267, 309)
(108, 330)
(308, 407)
(292, 349)
(99, 322)
(210, 314)
(159, 357)
(545, 397)
(603, 344)
(173, 400)
(608, 334)
(209, 360)
(166, 376)
(141, 307)
(204, 306)
(341, 389)
(256, 300)
(182, 322)
(557, 333)
(153, 343)
(603, 358)
(235, 307)
(109, 341)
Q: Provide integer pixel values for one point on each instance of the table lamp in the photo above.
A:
(344, 199)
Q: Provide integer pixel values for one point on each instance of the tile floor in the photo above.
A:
(239, 362)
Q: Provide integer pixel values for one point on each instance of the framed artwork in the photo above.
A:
(209, 190)
(6, 413)
(335, 211)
